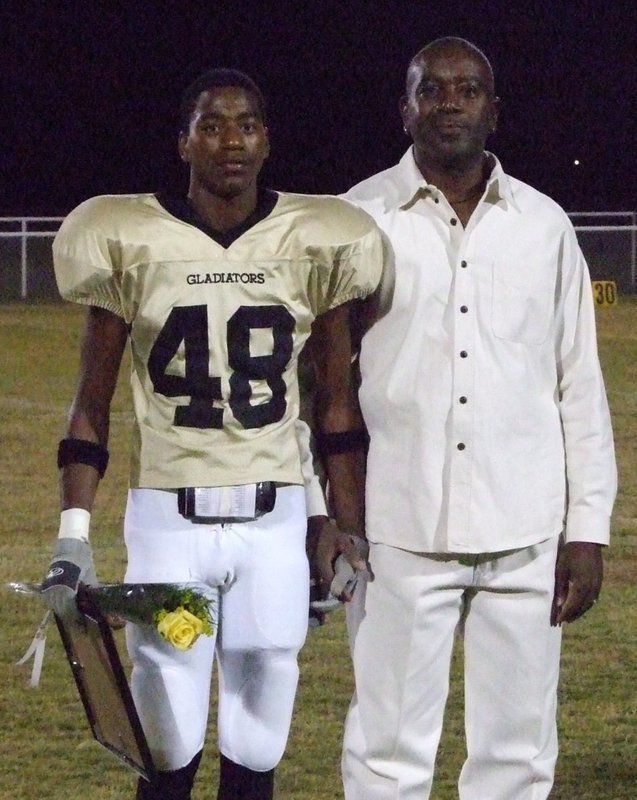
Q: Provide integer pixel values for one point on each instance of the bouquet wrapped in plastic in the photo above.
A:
(180, 612)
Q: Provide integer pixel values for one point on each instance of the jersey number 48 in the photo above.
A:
(189, 324)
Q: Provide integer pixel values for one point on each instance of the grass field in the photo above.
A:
(45, 747)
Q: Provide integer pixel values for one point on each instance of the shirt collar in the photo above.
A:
(180, 207)
(411, 185)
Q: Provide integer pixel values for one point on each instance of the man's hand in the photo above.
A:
(71, 564)
(337, 557)
(578, 580)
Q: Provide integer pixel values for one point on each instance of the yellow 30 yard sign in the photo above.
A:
(605, 293)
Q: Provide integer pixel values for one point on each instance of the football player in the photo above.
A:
(216, 292)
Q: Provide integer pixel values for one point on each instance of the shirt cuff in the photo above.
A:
(585, 525)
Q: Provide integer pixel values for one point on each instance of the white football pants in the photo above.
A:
(402, 650)
(262, 573)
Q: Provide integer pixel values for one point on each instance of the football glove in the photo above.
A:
(72, 564)
(345, 577)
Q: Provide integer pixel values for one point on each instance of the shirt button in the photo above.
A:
(454, 221)
(461, 446)
(462, 399)
(463, 264)
(463, 354)
(463, 309)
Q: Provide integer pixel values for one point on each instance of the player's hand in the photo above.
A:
(578, 580)
(339, 556)
(314, 527)
(72, 564)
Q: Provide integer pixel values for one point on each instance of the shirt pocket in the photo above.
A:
(521, 305)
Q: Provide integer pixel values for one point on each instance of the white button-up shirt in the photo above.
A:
(481, 386)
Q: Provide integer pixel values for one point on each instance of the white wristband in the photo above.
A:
(74, 524)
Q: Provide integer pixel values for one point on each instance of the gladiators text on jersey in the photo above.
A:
(225, 277)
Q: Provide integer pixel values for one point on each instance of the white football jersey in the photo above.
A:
(216, 331)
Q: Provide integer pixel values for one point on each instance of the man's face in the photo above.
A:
(226, 143)
(450, 108)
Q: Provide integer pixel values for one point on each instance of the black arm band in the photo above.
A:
(330, 444)
(80, 451)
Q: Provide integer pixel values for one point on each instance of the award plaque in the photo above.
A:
(103, 687)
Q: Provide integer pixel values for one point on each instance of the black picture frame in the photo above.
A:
(103, 687)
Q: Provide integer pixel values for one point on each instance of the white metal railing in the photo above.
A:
(25, 234)
(25, 228)
(631, 226)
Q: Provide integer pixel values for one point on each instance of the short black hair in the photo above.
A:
(215, 78)
(453, 42)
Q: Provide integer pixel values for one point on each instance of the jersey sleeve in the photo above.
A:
(350, 263)
(84, 257)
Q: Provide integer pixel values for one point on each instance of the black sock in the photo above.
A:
(170, 785)
(240, 783)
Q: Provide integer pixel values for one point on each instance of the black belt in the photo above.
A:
(264, 500)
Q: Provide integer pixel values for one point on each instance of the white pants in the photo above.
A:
(402, 650)
(262, 573)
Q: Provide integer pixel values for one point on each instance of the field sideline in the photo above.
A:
(45, 746)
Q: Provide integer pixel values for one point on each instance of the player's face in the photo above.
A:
(450, 108)
(226, 143)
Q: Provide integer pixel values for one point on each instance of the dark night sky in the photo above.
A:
(89, 89)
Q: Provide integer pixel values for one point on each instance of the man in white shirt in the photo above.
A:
(491, 473)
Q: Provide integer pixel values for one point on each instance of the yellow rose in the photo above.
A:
(180, 628)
